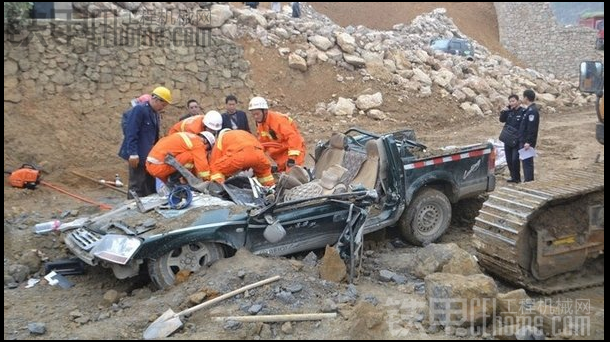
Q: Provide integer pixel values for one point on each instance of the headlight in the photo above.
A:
(116, 248)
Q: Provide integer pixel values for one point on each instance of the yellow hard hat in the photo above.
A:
(163, 93)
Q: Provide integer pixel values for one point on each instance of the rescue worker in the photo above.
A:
(210, 122)
(273, 127)
(141, 134)
(238, 150)
(189, 150)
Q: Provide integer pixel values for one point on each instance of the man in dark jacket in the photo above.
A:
(141, 134)
(529, 132)
(233, 118)
(193, 109)
(512, 116)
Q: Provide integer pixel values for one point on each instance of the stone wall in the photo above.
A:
(529, 30)
(97, 64)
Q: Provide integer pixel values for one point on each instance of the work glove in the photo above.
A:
(290, 163)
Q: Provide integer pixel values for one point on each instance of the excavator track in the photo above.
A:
(506, 230)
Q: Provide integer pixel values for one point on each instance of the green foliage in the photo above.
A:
(16, 15)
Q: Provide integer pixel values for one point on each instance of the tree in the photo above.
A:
(16, 15)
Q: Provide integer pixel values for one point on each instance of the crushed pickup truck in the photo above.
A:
(362, 182)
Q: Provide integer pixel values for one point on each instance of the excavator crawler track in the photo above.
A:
(506, 231)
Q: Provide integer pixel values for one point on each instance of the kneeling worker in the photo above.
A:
(238, 150)
(189, 150)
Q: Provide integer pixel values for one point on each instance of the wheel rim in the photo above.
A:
(428, 219)
(188, 257)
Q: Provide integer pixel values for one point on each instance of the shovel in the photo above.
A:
(170, 321)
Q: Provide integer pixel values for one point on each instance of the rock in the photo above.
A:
(231, 325)
(36, 328)
(197, 297)
(528, 332)
(287, 328)
(111, 297)
(254, 309)
(320, 42)
(10, 67)
(365, 102)
(297, 62)
(375, 114)
(332, 267)
(286, 297)
(344, 107)
(346, 42)
(328, 305)
(399, 279)
(229, 30)
(311, 259)
(294, 288)
(265, 332)
(252, 19)
(31, 260)
(385, 275)
(354, 60)
(8, 279)
(334, 54)
(18, 272)
(511, 301)
(469, 298)
(472, 109)
(435, 257)
(421, 77)
(219, 15)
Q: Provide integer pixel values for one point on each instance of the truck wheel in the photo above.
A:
(599, 44)
(426, 218)
(190, 258)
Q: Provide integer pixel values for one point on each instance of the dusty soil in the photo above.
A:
(566, 140)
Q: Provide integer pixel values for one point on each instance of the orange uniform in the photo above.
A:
(279, 128)
(239, 150)
(194, 125)
(189, 150)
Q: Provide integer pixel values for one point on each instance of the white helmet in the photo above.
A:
(213, 120)
(209, 137)
(258, 103)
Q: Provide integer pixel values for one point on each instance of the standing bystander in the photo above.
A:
(141, 134)
(528, 132)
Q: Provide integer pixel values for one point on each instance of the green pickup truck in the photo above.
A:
(362, 182)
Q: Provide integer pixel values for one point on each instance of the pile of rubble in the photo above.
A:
(401, 57)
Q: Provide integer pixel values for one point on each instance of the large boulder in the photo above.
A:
(457, 300)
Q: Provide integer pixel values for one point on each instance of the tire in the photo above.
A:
(599, 44)
(191, 257)
(426, 218)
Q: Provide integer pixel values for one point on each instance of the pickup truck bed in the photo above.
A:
(416, 187)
